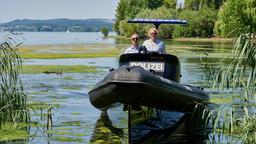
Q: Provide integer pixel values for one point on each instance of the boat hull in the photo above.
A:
(136, 86)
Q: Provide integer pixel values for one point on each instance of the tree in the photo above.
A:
(192, 28)
(104, 31)
(127, 29)
(199, 4)
(251, 15)
(153, 4)
(120, 14)
(200, 23)
(127, 9)
(170, 4)
(134, 7)
(208, 18)
(192, 4)
(232, 19)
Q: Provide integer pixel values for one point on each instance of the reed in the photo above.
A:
(240, 72)
(249, 130)
(13, 100)
(239, 76)
(211, 122)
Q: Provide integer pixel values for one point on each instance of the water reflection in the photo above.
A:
(112, 126)
(151, 125)
(147, 125)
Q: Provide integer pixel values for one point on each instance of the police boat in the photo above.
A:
(148, 80)
(143, 99)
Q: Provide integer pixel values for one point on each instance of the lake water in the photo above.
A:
(52, 38)
(75, 120)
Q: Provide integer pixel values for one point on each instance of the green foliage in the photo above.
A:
(127, 9)
(201, 14)
(191, 30)
(127, 29)
(251, 14)
(169, 3)
(153, 4)
(214, 4)
(13, 101)
(200, 4)
(231, 19)
(120, 14)
(165, 31)
(192, 4)
(104, 31)
(208, 19)
(201, 23)
(134, 7)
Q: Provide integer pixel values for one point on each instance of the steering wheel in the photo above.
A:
(143, 50)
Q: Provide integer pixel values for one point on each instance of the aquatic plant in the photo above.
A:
(13, 100)
(216, 124)
(249, 130)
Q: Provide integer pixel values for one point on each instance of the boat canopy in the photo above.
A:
(157, 22)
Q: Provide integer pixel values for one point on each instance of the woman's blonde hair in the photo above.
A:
(152, 30)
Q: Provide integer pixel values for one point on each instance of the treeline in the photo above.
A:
(206, 18)
(58, 25)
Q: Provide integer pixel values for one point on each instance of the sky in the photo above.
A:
(50, 9)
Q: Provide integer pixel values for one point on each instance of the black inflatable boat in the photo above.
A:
(144, 97)
(148, 80)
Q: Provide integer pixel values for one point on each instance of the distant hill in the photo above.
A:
(73, 25)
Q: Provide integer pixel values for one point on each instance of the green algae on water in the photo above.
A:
(10, 132)
(67, 139)
(69, 51)
(75, 113)
(57, 69)
(64, 55)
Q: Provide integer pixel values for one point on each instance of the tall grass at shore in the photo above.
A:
(13, 100)
(238, 80)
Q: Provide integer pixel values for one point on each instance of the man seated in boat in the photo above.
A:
(135, 47)
(153, 44)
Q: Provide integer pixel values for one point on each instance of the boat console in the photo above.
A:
(165, 65)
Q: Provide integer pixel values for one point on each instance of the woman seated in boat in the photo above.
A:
(153, 44)
(135, 47)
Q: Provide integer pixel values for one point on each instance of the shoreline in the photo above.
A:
(192, 39)
(213, 39)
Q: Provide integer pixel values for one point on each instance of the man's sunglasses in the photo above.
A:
(135, 39)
